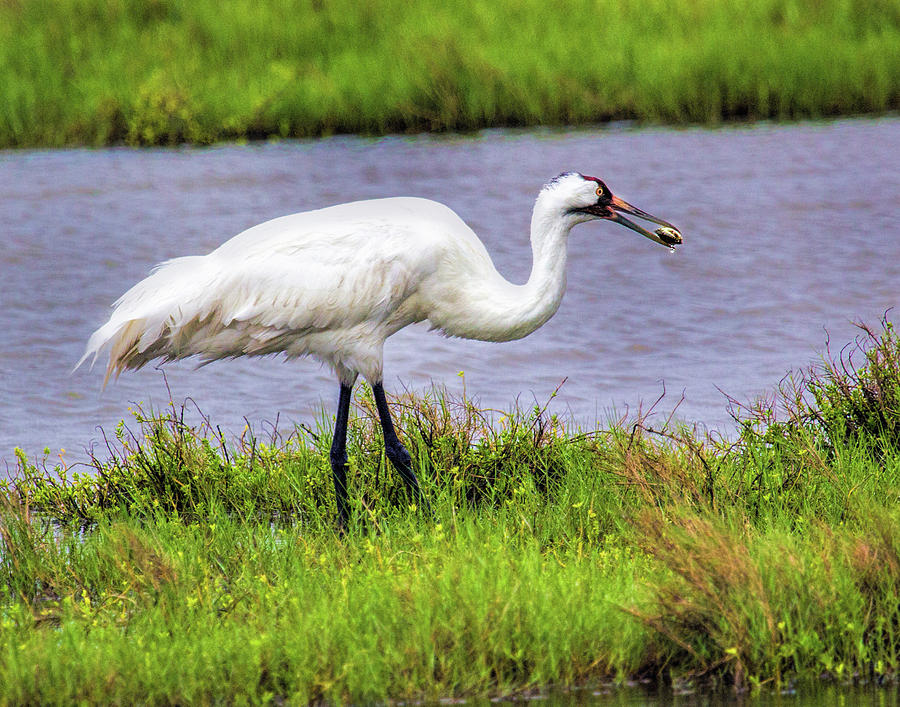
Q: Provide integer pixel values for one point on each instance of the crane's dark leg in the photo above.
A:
(394, 448)
(339, 455)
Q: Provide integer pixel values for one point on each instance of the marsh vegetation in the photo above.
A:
(166, 71)
(184, 567)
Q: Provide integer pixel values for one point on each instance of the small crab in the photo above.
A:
(669, 236)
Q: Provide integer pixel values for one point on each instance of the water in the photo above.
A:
(789, 231)
(652, 695)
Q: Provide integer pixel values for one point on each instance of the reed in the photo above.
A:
(187, 568)
(152, 72)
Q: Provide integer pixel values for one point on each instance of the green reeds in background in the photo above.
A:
(184, 568)
(165, 71)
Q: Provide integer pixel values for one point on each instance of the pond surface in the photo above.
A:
(789, 231)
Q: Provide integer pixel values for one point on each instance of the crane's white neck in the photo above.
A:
(506, 311)
(546, 285)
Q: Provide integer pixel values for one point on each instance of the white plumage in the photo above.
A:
(335, 283)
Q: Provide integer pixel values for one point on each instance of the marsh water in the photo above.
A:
(791, 233)
(650, 695)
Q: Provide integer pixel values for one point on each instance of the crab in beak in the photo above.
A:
(668, 235)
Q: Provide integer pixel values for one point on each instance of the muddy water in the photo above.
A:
(790, 231)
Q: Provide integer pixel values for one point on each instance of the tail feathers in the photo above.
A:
(140, 326)
(196, 306)
(125, 347)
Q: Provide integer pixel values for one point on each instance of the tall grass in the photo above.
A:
(164, 71)
(185, 568)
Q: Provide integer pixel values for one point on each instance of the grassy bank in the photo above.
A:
(164, 71)
(188, 569)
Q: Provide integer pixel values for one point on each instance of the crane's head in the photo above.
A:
(583, 198)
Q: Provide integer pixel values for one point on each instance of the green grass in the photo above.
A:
(186, 569)
(164, 71)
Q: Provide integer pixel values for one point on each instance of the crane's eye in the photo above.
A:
(599, 191)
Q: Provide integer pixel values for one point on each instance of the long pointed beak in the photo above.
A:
(668, 236)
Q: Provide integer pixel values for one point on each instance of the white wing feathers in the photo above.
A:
(240, 301)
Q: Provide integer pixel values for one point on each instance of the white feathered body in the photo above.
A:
(334, 284)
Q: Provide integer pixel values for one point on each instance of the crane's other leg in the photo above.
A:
(393, 447)
(339, 454)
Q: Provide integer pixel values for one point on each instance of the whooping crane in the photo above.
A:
(336, 282)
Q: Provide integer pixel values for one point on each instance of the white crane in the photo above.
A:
(336, 282)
